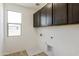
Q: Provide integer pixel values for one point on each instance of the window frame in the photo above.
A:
(15, 24)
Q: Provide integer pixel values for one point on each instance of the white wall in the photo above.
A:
(65, 40)
(1, 28)
(28, 40)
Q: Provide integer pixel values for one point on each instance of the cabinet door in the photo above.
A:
(59, 13)
(49, 14)
(43, 16)
(36, 21)
(73, 13)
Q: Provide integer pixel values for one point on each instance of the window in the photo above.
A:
(14, 23)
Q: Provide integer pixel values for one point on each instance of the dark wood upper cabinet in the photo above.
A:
(59, 13)
(73, 13)
(51, 14)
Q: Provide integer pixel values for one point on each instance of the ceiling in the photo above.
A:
(31, 5)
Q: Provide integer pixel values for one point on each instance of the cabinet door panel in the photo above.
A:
(73, 10)
(36, 21)
(43, 17)
(59, 13)
(49, 14)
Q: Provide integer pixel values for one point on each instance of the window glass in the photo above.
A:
(14, 17)
(14, 23)
(14, 30)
